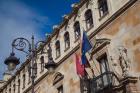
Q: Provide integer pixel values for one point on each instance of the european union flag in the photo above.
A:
(86, 46)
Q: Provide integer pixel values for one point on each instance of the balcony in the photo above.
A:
(104, 83)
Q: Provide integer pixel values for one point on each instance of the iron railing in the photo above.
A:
(105, 81)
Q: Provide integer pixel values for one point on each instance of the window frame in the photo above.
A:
(106, 62)
(14, 88)
(9, 90)
(89, 19)
(42, 63)
(29, 73)
(67, 40)
(57, 49)
(24, 79)
(19, 81)
(60, 89)
(101, 7)
(77, 30)
(103, 56)
(35, 72)
(58, 82)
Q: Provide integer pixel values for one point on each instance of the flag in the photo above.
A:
(79, 67)
(85, 47)
(81, 60)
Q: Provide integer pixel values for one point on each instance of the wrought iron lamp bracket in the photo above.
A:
(22, 44)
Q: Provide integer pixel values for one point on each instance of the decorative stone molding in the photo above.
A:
(66, 17)
(100, 43)
(58, 80)
(128, 84)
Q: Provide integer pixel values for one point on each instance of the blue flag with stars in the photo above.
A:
(86, 46)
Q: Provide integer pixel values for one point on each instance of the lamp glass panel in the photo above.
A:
(11, 66)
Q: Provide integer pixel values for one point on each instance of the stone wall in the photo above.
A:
(70, 81)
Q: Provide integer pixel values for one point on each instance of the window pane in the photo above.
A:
(57, 45)
(42, 63)
(103, 7)
(60, 89)
(67, 40)
(77, 30)
(88, 18)
(103, 64)
(105, 79)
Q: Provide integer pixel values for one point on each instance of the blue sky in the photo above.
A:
(24, 18)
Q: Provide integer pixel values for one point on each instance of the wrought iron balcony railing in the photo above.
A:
(104, 82)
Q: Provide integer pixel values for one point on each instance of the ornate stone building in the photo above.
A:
(113, 28)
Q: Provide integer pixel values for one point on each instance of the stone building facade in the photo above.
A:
(113, 28)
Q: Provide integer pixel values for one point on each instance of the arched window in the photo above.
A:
(9, 90)
(42, 63)
(29, 73)
(103, 7)
(57, 46)
(14, 88)
(88, 19)
(18, 85)
(24, 79)
(35, 69)
(67, 40)
(77, 30)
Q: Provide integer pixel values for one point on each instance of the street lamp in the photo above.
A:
(30, 49)
(11, 61)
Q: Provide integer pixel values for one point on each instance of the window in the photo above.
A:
(103, 7)
(14, 88)
(57, 45)
(103, 63)
(88, 19)
(67, 40)
(104, 68)
(60, 89)
(35, 70)
(10, 90)
(42, 63)
(6, 90)
(24, 81)
(58, 82)
(18, 85)
(29, 72)
(77, 30)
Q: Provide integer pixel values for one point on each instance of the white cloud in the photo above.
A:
(17, 20)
